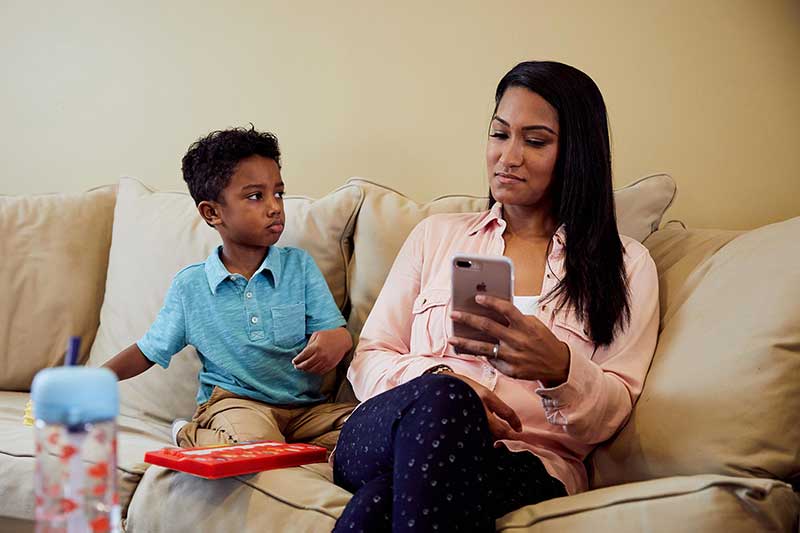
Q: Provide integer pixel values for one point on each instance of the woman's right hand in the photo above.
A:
(503, 421)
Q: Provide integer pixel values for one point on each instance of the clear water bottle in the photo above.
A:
(75, 411)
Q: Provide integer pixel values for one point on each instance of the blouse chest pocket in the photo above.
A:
(430, 329)
(289, 324)
(575, 333)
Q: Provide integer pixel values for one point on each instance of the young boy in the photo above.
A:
(261, 317)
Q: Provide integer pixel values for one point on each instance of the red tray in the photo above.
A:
(214, 462)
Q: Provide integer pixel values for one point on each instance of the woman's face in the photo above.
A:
(522, 148)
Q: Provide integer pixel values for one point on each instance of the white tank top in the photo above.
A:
(527, 305)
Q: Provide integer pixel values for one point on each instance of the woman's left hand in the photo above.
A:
(527, 349)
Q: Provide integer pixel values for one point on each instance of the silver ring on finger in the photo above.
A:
(495, 349)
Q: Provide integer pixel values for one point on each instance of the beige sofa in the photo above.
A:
(713, 443)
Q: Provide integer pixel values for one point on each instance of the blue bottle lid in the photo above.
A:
(72, 395)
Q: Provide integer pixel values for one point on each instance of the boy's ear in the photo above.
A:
(210, 212)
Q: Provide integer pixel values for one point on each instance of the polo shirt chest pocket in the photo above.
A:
(431, 326)
(289, 324)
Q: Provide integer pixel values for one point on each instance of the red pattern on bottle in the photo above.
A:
(67, 505)
(100, 470)
(68, 451)
(100, 524)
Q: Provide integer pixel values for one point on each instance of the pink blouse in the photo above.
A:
(407, 331)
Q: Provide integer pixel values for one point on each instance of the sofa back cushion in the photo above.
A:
(155, 235)
(387, 217)
(54, 250)
(723, 392)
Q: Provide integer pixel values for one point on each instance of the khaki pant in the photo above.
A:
(229, 419)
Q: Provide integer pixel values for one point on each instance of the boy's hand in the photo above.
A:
(324, 351)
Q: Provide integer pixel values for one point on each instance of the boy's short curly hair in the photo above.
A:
(211, 161)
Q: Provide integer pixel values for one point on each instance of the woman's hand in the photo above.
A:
(503, 421)
(527, 348)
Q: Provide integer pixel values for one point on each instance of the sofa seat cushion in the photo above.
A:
(693, 503)
(305, 499)
(289, 499)
(54, 250)
(155, 235)
(723, 392)
(134, 438)
(16, 458)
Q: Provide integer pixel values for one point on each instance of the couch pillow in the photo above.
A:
(387, 217)
(158, 233)
(55, 255)
(641, 205)
(723, 392)
(681, 257)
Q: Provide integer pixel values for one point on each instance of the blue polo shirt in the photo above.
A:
(247, 332)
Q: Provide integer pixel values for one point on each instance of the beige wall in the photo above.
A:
(401, 92)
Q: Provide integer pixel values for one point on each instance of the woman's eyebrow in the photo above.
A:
(526, 128)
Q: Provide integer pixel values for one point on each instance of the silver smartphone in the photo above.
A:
(479, 274)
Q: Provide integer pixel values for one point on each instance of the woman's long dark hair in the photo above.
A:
(583, 198)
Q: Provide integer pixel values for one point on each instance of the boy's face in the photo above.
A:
(250, 210)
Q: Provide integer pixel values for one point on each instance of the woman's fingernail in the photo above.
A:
(480, 298)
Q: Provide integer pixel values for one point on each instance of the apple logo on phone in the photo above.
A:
(481, 287)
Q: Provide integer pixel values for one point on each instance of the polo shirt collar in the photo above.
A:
(216, 272)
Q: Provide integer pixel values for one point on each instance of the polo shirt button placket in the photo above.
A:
(252, 311)
(256, 330)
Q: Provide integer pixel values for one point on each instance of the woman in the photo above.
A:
(451, 441)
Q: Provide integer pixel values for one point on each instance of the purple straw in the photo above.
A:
(73, 348)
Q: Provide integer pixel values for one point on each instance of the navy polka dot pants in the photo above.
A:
(420, 457)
